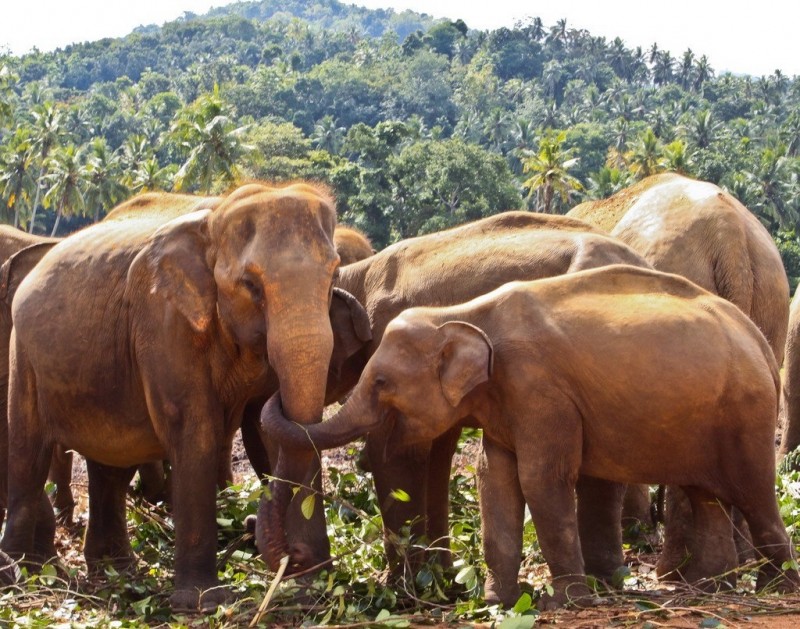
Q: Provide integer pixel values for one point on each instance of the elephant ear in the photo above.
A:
(17, 267)
(466, 359)
(178, 269)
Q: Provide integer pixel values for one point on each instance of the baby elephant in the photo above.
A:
(619, 373)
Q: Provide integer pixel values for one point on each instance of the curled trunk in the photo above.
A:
(297, 444)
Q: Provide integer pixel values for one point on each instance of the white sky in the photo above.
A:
(743, 37)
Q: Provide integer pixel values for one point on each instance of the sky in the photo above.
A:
(753, 37)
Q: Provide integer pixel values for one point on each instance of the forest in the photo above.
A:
(416, 125)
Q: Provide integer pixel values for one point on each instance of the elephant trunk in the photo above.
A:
(296, 442)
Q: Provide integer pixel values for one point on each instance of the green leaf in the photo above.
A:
(710, 623)
(383, 615)
(400, 495)
(465, 575)
(518, 622)
(523, 604)
(307, 507)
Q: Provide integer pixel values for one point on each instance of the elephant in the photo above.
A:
(351, 244)
(20, 252)
(27, 249)
(694, 229)
(166, 328)
(790, 402)
(619, 373)
(438, 269)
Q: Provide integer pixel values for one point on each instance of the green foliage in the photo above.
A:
(789, 248)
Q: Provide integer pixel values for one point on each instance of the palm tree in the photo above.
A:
(17, 181)
(702, 72)
(149, 175)
(327, 135)
(550, 179)
(678, 158)
(645, 157)
(104, 186)
(47, 133)
(663, 68)
(66, 177)
(686, 70)
(211, 142)
(607, 181)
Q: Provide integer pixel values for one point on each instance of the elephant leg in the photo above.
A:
(61, 476)
(153, 482)
(501, 522)
(760, 508)
(713, 553)
(195, 469)
(225, 471)
(438, 495)
(742, 538)
(599, 509)
(406, 471)
(30, 525)
(107, 533)
(678, 535)
(553, 511)
(636, 511)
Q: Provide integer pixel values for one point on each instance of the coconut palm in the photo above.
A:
(17, 179)
(645, 157)
(104, 185)
(66, 178)
(211, 142)
(47, 133)
(549, 179)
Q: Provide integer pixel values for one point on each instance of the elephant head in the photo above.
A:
(416, 385)
(258, 272)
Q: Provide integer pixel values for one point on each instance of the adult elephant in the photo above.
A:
(165, 329)
(438, 269)
(694, 229)
(545, 369)
(19, 253)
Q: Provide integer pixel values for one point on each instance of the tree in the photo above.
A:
(646, 155)
(47, 133)
(440, 183)
(211, 142)
(104, 185)
(549, 178)
(66, 177)
(17, 180)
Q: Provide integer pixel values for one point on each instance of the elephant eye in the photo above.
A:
(252, 287)
(380, 382)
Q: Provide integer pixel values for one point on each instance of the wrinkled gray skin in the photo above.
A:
(441, 269)
(544, 368)
(173, 325)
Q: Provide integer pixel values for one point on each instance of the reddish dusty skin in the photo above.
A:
(449, 268)
(166, 329)
(545, 368)
(697, 230)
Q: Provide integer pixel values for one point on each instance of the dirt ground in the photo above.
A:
(646, 603)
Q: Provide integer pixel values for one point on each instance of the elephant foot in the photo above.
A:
(122, 564)
(571, 590)
(9, 570)
(774, 579)
(193, 600)
(496, 594)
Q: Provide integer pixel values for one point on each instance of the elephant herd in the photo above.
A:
(636, 340)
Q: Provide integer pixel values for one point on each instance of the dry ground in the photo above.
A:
(666, 606)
